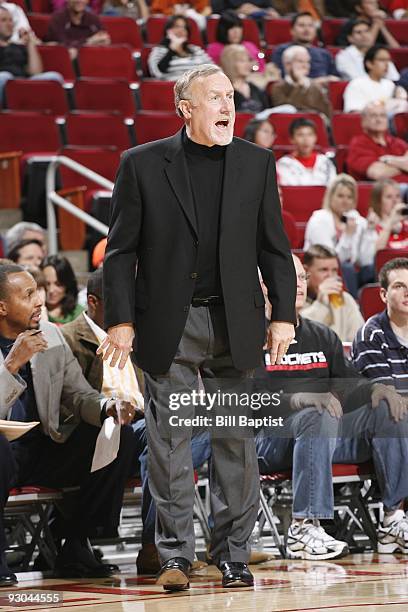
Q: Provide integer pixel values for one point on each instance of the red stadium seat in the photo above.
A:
(97, 129)
(277, 31)
(364, 192)
(345, 127)
(104, 95)
(399, 29)
(41, 6)
(401, 125)
(153, 125)
(56, 57)
(341, 158)
(301, 202)
(28, 132)
(291, 229)
(370, 301)
(157, 95)
(42, 96)
(331, 29)
(281, 122)
(241, 121)
(385, 255)
(123, 31)
(336, 91)
(39, 23)
(251, 30)
(400, 56)
(155, 30)
(111, 62)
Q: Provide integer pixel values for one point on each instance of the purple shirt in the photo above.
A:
(63, 31)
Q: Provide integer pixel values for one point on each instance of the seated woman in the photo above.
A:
(230, 31)
(237, 65)
(28, 253)
(175, 55)
(62, 290)
(260, 132)
(339, 226)
(390, 214)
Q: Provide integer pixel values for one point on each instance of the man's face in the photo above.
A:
(6, 25)
(22, 307)
(396, 296)
(304, 30)
(368, 7)
(30, 256)
(360, 36)
(374, 120)
(33, 235)
(301, 283)
(378, 68)
(210, 113)
(319, 270)
(304, 139)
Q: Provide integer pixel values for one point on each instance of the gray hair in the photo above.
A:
(290, 53)
(183, 84)
(15, 234)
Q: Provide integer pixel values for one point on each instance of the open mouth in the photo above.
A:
(223, 124)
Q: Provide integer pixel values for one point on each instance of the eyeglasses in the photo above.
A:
(303, 277)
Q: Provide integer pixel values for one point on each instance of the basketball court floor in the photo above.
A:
(358, 582)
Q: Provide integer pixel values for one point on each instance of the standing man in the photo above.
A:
(197, 213)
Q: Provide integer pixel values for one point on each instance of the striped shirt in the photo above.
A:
(166, 65)
(378, 354)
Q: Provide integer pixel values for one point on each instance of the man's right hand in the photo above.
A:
(330, 285)
(318, 401)
(117, 344)
(27, 344)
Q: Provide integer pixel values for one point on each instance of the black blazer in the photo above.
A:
(153, 228)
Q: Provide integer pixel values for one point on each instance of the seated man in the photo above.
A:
(327, 302)
(371, 11)
(20, 21)
(38, 373)
(84, 335)
(304, 166)
(75, 25)
(20, 60)
(377, 155)
(308, 439)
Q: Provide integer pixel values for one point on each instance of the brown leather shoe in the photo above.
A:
(147, 562)
(174, 574)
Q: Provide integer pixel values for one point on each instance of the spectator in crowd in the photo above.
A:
(20, 60)
(62, 290)
(27, 253)
(338, 225)
(317, 8)
(350, 61)
(194, 9)
(304, 32)
(391, 215)
(256, 8)
(304, 166)
(230, 31)
(376, 154)
(39, 278)
(20, 21)
(398, 9)
(371, 11)
(339, 8)
(316, 400)
(137, 9)
(175, 55)
(237, 65)
(297, 88)
(54, 454)
(23, 230)
(75, 25)
(260, 132)
(327, 302)
(374, 86)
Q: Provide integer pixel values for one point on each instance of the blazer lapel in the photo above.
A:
(231, 188)
(179, 179)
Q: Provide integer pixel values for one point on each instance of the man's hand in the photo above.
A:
(329, 286)
(99, 38)
(319, 401)
(118, 344)
(278, 337)
(397, 404)
(25, 347)
(122, 412)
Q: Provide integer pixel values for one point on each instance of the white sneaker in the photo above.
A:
(393, 534)
(307, 540)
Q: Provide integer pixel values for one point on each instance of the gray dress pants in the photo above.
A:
(234, 477)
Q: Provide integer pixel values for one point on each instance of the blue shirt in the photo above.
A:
(322, 63)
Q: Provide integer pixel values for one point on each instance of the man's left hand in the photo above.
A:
(123, 412)
(397, 404)
(278, 337)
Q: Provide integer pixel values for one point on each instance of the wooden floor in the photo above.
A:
(358, 582)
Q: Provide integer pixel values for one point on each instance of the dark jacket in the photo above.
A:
(153, 225)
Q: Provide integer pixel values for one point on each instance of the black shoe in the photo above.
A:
(173, 575)
(235, 574)
(77, 560)
(7, 580)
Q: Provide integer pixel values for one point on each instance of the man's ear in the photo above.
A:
(383, 295)
(185, 109)
(3, 308)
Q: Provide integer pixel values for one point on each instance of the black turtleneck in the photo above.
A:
(206, 170)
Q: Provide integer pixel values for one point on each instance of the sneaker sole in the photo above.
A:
(173, 580)
(302, 554)
(387, 549)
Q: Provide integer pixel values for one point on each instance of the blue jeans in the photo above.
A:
(369, 433)
(43, 76)
(201, 452)
(307, 446)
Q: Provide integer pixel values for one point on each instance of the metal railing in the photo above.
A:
(53, 199)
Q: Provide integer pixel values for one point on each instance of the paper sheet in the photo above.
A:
(107, 445)
(15, 429)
